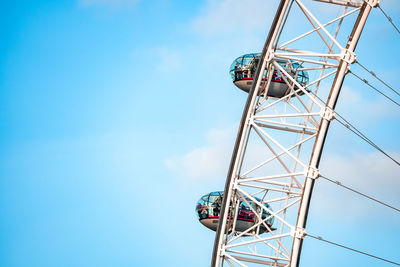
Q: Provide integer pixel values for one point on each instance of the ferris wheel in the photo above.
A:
(293, 87)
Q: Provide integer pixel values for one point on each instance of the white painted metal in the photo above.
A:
(223, 229)
(343, 2)
(280, 141)
(316, 156)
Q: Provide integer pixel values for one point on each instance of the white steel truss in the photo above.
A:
(280, 140)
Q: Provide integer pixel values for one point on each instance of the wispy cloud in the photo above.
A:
(212, 159)
(208, 161)
(355, 102)
(232, 16)
(369, 173)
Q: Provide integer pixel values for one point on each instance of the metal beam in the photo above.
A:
(323, 129)
(343, 2)
(271, 263)
(242, 133)
(287, 129)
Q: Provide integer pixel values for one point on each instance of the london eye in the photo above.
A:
(260, 218)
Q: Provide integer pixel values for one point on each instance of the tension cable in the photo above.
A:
(389, 19)
(352, 249)
(379, 79)
(349, 126)
(367, 83)
(361, 194)
(353, 129)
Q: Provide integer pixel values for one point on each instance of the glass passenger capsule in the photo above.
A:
(243, 69)
(208, 210)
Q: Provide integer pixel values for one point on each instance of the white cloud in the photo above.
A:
(208, 161)
(369, 173)
(113, 3)
(244, 17)
(354, 105)
(372, 174)
(233, 16)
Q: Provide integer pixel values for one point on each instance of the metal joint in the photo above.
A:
(348, 56)
(299, 233)
(312, 173)
(327, 114)
(250, 121)
(235, 183)
(372, 3)
(269, 56)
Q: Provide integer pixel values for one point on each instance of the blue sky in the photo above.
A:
(116, 116)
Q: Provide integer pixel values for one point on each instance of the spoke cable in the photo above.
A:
(367, 83)
(352, 249)
(357, 192)
(379, 79)
(366, 139)
(353, 129)
(389, 19)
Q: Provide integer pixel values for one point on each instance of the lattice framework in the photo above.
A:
(280, 141)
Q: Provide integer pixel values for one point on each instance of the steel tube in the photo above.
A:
(322, 132)
(216, 258)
